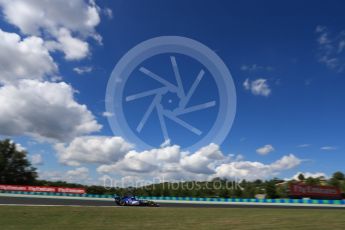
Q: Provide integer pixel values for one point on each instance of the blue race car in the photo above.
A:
(133, 201)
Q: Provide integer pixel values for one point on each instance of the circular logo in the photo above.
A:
(171, 89)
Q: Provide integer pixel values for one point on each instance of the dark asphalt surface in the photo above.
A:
(72, 202)
(52, 201)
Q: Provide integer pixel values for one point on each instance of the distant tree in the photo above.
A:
(342, 187)
(334, 182)
(166, 190)
(277, 180)
(223, 193)
(301, 177)
(313, 181)
(271, 190)
(237, 193)
(95, 190)
(258, 182)
(337, 180)
(338, 176)
(15, 168)
(282, 190)
(249, 191)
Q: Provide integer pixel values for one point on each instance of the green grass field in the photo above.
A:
(168, 218)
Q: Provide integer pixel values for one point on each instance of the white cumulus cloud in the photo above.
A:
(264, 150)
(92, 149)
(208, 162)
(256, 170)
(82, 69)
(201, 161)
(43, 110)
(73, 48)
(146, 161)
(24, 58)
(258, 87)
(57, 20)
(33, 16)
(77, 175)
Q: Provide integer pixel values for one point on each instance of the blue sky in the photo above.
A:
(286, 59)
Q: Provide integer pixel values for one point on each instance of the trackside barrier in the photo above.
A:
(200, 199)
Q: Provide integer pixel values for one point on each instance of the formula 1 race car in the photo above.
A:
(133, 201)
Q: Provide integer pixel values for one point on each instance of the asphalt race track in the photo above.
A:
(50, 201)
(30, 201)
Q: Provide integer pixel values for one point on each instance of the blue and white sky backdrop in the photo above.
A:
(287, 60)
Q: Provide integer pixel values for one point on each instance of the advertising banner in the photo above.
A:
(26, 188)
(314, 191)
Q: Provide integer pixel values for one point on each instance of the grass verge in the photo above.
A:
(15, 217)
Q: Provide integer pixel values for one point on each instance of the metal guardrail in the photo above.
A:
(198, 199)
